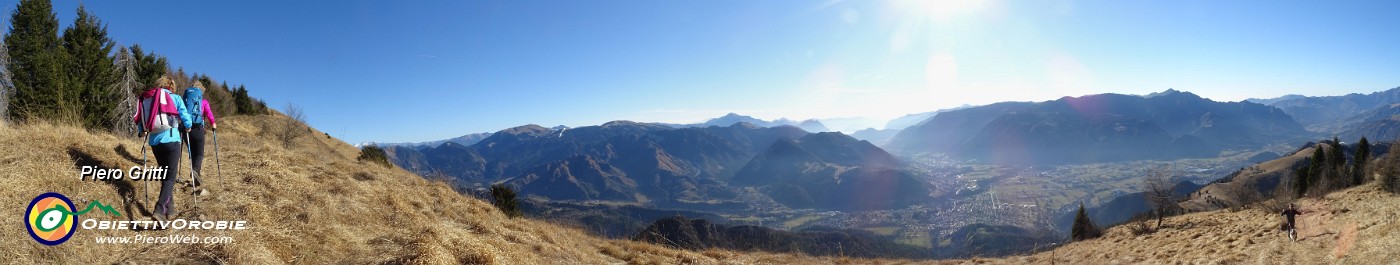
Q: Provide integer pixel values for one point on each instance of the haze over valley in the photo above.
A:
(1016, 167)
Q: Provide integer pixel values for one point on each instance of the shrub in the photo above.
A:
(293, 127)
(1389, 169)
(374, 154)
(504, 199)
(1391, 182)
(1138, 224)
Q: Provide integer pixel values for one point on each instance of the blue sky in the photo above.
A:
(396, 71)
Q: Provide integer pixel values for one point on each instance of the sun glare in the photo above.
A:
(939, 10)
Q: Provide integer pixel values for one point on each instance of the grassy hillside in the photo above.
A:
(1354, 226)
(314, 204)
(311, 204)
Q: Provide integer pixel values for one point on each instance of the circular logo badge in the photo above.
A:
(49, 218)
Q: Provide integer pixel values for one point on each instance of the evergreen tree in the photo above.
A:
(1300, 179)
(91, 73)
(505, 200)
(37, 62)
(240, 100)
(1359, 161)
(1309, 174)
(219, 98)
(374, 154)
(1336, 166)
(1083, 228)
(149, 67)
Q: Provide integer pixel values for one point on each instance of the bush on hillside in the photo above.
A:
(504, 198)
(1389, 170)
(1138, 224)
(293, 127)
(374, 154)
(1390, 181)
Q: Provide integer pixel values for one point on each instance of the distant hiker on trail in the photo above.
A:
(201, 115)
(1291, 225)
(157, 120)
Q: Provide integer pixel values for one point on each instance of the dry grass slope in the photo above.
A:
(1353, 226)
(315, 204)
(305, 206)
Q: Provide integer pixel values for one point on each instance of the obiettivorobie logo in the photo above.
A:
(51, 220)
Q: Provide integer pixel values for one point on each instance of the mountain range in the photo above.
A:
(810, 125)
(650, 163)
(1350, 116)
(1312, 111)
(910, 120)
(704, 165)
(468, 139)
(1165, 125)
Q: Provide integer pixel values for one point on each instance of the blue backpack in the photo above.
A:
(193, 96)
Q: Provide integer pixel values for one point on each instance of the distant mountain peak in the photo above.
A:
(744, 124)
(1171, 92)
(526, 129)
(734, 115)
(621, 123)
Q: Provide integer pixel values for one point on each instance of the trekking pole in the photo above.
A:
(218, 166)
(144, 181)
(194, 181)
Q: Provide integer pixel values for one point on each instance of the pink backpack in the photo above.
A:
(158, 112)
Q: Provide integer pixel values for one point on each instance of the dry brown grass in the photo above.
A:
(312, 205)
(315, 205)
(1352, 226)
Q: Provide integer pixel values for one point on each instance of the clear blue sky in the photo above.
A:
(426, 70)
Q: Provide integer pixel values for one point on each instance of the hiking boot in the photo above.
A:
(201, 192)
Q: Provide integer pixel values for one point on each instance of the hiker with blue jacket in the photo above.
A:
(201, 115)
(160, 118)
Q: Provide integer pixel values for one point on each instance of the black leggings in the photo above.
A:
(167, 156)
(196, 143)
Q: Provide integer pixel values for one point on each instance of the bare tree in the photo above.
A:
(1158, 188)
(127, 86)
(1244, 192)
(293, 127)
(6, 85)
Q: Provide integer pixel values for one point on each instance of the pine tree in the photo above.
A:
(91, 73)
(1308, 176)
(374, 154)
(247, 105)
(220, 99)
(37, 62)
(1336, 167)
(1359, 161)
(1083, 228)
(149, 67)
(505, 200)
(240, 100)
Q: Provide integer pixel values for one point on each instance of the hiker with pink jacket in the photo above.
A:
(159, 118)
